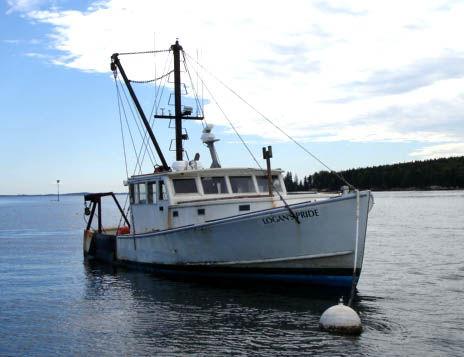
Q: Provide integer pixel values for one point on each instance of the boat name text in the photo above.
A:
(289, 217)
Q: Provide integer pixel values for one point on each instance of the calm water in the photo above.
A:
(410, 295)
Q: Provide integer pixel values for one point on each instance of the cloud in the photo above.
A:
(24, 5)
(437, 151)
(33, 41)
(334, 7)
(323, 70)
(37, 55)
(435, 116)
(420, 74)
(293, 50)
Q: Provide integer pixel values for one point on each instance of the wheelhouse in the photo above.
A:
(165, 200)
(176, 187)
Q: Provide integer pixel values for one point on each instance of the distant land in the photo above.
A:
(434, 174)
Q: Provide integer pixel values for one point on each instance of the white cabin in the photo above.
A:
(168, 200)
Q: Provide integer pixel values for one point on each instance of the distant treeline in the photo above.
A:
(421, 175)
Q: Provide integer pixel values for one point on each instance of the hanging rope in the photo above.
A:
(272, 123)
(152, 80)
(143, 52)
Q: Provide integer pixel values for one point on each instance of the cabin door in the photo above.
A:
(163, 205)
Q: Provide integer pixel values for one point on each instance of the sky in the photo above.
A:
(358, 83)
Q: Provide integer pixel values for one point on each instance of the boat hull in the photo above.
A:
(268, 245)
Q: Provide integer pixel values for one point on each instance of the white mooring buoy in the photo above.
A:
(340, 319)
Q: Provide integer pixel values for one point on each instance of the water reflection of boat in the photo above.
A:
(140, 286)
(228, 223)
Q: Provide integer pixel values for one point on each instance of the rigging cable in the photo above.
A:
(142, 52)
(295, 217)
(123, 145)
(150, 153)
(120, 124)
(144, 144)
(273, 124)
(154, 107)
(130, 132)
(195, 94)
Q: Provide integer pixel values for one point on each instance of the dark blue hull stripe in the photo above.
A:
(325, 277)
(326, 280)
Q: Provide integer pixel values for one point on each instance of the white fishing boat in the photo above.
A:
(228, 223)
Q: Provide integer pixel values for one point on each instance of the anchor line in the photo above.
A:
(353, 284)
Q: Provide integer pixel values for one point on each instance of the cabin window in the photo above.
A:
(185, 185)
(263, 186)
(241, 184)
(132, 193)
(136, 194)
(162, 194)
(142, 193)
(151, 192)
(213, 185)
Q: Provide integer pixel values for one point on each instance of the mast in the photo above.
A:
(115, 63)
(176, 48)
(180, 113)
